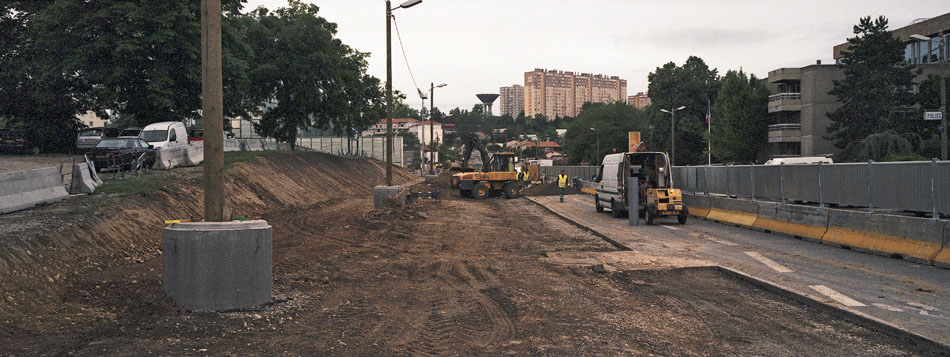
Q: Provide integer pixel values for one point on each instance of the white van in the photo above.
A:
(165, 134)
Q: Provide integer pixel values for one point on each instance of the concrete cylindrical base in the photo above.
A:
(430, 178)
(218, 265)
(389, 197)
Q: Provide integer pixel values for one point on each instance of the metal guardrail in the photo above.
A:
(918, 186)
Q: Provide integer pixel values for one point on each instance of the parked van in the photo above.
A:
(165, 134)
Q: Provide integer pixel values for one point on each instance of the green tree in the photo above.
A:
(311, 78)
(610, 122)
(875, 93)
(692, 85)
(740, 114)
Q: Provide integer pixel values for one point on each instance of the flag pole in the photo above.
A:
(709, 133)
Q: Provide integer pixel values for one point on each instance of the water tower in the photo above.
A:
(487, 100)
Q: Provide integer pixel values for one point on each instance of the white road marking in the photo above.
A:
(670, 227)
(721, 241)
(769, 262)
(836, 296)
(888, 307)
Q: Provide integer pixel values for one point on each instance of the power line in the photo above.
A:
(396, 26)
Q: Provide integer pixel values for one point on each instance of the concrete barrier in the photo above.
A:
(194, 154)
(168, 158)
(389, 197)
(697, 206)
(24, 189)
(916, 239)
(81, 180)
(253, 145)
(232, 145)
(218, 265)
(805, 222)
(739, 212)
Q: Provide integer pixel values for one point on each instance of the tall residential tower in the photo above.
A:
(512, 100)
(554, 93)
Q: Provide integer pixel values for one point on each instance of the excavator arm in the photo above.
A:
(471, 142)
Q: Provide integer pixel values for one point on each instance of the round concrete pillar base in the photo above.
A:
(389, 197)
(430, 178)
(216, 266)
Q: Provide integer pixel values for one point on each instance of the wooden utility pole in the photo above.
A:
(212, 110)
(389, 96)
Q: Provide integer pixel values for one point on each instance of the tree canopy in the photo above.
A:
(740, 119)
(693, 85)
(876, 93)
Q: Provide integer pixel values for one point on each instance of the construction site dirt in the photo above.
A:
(458, 276)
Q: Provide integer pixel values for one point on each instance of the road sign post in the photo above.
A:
(633, 201)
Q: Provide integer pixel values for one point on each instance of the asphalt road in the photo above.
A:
(913, 296)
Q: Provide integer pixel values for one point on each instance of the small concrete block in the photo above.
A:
(217, 266)
(389, 197)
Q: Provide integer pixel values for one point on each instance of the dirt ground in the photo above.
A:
(459, 276)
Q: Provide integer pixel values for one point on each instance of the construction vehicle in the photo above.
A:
(654, 176)
(497, 172)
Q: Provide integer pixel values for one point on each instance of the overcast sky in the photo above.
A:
(476, 46)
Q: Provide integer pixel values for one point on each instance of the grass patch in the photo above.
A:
(133, 185)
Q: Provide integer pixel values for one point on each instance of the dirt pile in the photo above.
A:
(548, 189)
(48, 245)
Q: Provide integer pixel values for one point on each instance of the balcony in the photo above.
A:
(783, 102)
(785, 133)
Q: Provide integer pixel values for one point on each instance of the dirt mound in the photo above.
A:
(86, 233)
(548, 189)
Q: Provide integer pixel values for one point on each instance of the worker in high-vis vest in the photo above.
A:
(527, 177)
(562, 183)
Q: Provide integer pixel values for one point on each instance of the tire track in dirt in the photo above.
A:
(487, 323)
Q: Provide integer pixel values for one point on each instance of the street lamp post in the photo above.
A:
(672, 112)
(943, 92)
(432, 88)
(422, 133)
(389, 86)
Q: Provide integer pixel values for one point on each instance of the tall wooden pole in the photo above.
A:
(212, 110)
(389, 97)
(432, 126)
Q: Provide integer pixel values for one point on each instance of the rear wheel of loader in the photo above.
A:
(682, 217)
(512, 190)
(454, 182)
(481, 191)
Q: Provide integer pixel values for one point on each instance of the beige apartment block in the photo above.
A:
(555, 93)
(639, 100)
(512, 100)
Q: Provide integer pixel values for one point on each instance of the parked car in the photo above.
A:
(132, 132)
(195, 134)
(11, 143)
(90, 137)
(165, 134)
(121, 153)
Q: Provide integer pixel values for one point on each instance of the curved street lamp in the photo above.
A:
(389, 85)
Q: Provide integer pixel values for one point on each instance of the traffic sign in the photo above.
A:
(633, 141)
(933, 115)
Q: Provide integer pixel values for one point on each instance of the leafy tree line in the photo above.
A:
(140, 62)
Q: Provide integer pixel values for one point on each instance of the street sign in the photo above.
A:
(935, 115)
(633, 141)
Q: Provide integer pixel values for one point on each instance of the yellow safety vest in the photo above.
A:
(562, 181)
(527, 176)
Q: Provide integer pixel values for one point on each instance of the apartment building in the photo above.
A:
(800, 101)
(512, 100)
(639, 100)
(555, 93)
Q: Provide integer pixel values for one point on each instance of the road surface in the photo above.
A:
(912, 296)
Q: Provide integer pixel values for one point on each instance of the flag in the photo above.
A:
(708, 116)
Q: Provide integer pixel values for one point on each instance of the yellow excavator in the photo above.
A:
(497, 172)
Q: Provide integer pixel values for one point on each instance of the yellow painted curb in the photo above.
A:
(742, 219)
(794, 229)
(589, 191)
(943, 257)
(700, 212)
(882, 243)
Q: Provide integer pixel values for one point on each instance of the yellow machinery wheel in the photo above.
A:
(481, 191)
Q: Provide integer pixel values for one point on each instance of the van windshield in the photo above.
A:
(154, 135)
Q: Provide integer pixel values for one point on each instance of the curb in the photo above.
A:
(844, 312)
(581, 226)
